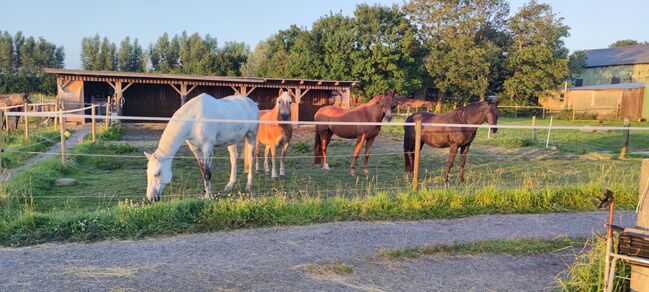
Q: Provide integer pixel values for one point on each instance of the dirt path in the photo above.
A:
(76, 137)
(279, 258)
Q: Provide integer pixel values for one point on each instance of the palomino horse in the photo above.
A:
(8, 100)
(453, 137)
(274, 134)
(188, 125)
(374, 111)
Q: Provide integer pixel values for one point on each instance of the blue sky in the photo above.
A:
(594, 23)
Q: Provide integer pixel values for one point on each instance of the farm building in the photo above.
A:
(622, 100)
(160, 95)
(615, 66)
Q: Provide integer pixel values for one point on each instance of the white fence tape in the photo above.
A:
(67, 114)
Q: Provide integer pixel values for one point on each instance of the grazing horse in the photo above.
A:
(274, 134)
(8, 100)
(453, 137)
(188, 125)
(374, 111)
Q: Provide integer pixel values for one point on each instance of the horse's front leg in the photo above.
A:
(357, 151)
(266, 153)
(199, 157)
(451, 158)
(257, 169)
(232, 149)
(368, 148)
(273, 151)
(207, 173)
(250, 139)
(463, 155)
(281, 161)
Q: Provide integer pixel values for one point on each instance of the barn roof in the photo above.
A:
(610, 86)
(89, 75)
(618, 56)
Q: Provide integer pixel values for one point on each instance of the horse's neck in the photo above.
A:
(374, 111)
(172, 138)
(472, 116)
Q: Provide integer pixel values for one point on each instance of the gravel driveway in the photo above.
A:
(276, 258)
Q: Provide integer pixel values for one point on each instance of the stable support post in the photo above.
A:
(93, 130)
(26, 120)
(533, 129)
(62, 134)
(625, 140)
(415, 172)
(107, 120)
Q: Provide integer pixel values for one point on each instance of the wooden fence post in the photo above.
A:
(1, 135)
(56, 118)
(107, 113)
(533, 129)
(415, 173)
(640, 274)
(515, 111)
(547, 140)
(625, 140)
(92, 112)
(574, 113)
(62, 133)
(617, 112)
(26, 120)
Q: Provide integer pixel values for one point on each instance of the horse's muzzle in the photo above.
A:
(284, 117)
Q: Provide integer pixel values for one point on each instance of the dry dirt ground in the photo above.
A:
(288, 258)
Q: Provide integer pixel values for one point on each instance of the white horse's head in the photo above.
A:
(283, 105)
(158, 174)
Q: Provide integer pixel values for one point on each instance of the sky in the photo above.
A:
(594, 23)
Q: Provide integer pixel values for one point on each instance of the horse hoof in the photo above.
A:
(366, 172)
(249, 188)
(266, 173)
(228, 189)
(281, 176)
(273, 177)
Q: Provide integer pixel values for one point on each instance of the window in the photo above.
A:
(562, 97)
(579, 82)
(615, 80)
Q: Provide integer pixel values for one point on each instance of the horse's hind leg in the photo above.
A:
(281, 161)
(273, 151)
(451, 158)
(463, 155)
(357, 151)
(232, 149)
(368, 148)
(266, 153)
(250, 140)
(325, 142)
(257, 169)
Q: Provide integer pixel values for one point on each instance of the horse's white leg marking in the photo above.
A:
(233, 167)
(257, 157)
(207, 174)
(273, 151)
(266, 153)
(281, 161)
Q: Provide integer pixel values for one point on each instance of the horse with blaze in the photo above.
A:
(449, 137)
(375, 110)
(275, 134)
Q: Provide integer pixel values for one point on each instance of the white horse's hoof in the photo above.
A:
(228, 188)
(249, 188)
(281, 176)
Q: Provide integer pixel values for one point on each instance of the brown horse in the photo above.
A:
(273, 135)
(13, 99)
(374, 111)
(453, 137)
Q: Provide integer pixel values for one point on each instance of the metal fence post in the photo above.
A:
(415, 173)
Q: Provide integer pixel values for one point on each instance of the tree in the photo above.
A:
(197, 55)
(108, 55)
(334, 36)
(577, 62)
(231, 58)
(164, 54)
(98, 54)
(387, 53)
(626, 43)
(131, 57)
(257, 61)
(7, 54)
(537, 56)
(461, 51)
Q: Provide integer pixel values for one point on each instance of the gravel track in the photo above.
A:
(276, 258)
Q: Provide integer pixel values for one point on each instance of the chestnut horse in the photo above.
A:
(453, 137)
(374, 111)
(13, 99)
(275, 134)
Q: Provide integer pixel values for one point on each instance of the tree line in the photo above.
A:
(463, 50)
(22, 60)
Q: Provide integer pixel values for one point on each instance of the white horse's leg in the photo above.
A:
(233, 167)
(266, 153)
(207, 174)
(250, 139)
(281, 161)
(273, 151)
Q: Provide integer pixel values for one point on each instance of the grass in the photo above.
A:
(512, 246)
(16, 146)
(336, 267)
(587, 272)
(107, 202)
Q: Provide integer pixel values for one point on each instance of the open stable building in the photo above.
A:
(160, 95)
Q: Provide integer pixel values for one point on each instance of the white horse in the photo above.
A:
(186, 125)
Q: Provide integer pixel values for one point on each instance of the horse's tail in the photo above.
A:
(317, 148)
(409, 144)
